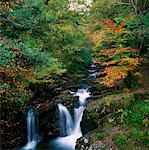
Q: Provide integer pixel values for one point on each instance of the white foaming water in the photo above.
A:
(69, 127)
(31, 131)
(94, 75)
(78, 113)
(83, 94)
(30, 146)
(65, 117)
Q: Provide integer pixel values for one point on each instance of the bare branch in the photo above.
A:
(129, 4)
(3, 19)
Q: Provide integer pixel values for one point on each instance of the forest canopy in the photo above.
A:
(40, 41)
(48, 45)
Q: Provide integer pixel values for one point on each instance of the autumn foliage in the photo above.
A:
(8, 5)
(113, 51)
(116, 29)
(118, 69)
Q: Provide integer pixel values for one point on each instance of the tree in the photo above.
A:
(139, 6)
(119, 66)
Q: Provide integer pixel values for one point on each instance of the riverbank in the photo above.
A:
(120, 118)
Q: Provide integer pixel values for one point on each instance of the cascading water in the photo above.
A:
(66, 123)
(31, 131)
(70, 128)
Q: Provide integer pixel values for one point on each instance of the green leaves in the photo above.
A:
(26, 16)
(146, 19)
(4, 86)
(7, 55)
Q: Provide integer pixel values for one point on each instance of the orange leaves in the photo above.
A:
(115, 56)
(11, 76)
(118, 68)
(113, 62)
(114, 51)
(113, 74)
(22, 71)
(119, 71)
(19, 86)
(107, 52)
(132, 62)
(7, 5)
(7, 71)
(96, 37)
(116, 29)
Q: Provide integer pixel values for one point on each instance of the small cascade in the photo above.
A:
(78, 113)
(70, 129)
(93, 69)
(83, 94)
(32, 137)
(66, 123)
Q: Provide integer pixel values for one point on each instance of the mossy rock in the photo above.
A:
(112, 102)
(66, 98)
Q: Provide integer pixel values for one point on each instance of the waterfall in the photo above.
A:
(66, 123)
(30, 126)
(70, 129)
(31, 131)
(78, 113)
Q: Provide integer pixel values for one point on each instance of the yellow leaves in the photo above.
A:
(114, 51)
(66, 28)
(113, 62)
(119, 68)
(146, 122)
(133, 63)
(115, 73)
(96, 37)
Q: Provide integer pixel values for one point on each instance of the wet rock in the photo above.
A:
(83, 143)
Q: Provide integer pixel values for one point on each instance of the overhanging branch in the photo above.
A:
(129, 4)
(3, 19)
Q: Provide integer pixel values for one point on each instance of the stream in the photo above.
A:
(69, 122)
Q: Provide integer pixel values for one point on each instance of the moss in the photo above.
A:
(100, 134)
(112, 102)
(121, 141)
(66, 97)
(96, 136)
(140, 136)
(137, 112)
(127, 111)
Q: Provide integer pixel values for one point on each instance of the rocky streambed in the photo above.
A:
(44, 100)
